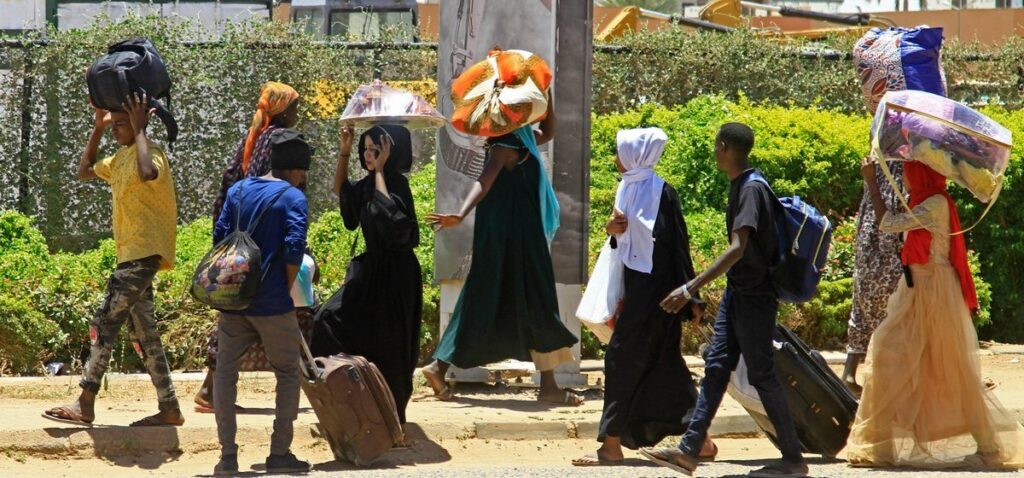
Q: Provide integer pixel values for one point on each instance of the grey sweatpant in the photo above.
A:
(280, 337)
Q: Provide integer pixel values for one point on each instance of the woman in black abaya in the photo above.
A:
(377, 312)
(649, 393)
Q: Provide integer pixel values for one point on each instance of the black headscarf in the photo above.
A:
(400, 161)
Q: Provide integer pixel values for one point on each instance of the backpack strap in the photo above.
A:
(259, 217)
(756, 176)
(780, 211)
(238, 209)
(252, 227)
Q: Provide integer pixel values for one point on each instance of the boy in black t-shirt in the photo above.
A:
(746, 315)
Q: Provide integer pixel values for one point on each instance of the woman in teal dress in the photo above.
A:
(508, 308)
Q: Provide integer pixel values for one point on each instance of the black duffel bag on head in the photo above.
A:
(132, 66)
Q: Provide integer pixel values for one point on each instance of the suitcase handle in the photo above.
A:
(310, 370)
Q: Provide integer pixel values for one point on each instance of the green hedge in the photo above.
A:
(673, 66)
(816, 154)
(216, 85)
(48, 300)
(802, 150)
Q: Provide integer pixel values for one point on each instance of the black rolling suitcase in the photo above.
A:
(822, 407)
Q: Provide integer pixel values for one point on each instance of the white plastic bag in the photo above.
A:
(605, 290)
(742, 391)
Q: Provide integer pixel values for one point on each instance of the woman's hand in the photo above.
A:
(617, 224)
(345, 141)
(867, 169)
(443, 221)
(385, 152)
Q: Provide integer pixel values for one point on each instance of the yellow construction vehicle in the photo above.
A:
(727, 15)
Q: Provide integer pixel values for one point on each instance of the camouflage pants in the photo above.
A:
(129, 300)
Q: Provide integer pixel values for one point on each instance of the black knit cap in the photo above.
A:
(289, 150)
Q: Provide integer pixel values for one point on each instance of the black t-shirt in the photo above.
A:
(752, 204)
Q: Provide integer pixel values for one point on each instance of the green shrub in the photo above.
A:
(803, 151)
(331, 245)
(999, 241)
(822, 321)
(423, 182)
(841, 256)
(185, 323)
(216, 87)
(673, 66)
(19, 234)
(25, 334)
(216, 84)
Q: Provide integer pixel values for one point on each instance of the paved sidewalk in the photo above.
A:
(480, 412)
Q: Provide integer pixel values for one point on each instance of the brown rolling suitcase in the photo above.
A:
(356, 409)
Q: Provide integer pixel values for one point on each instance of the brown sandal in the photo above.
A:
(570, 399)
(64, 414)
(446, 394)
(442, 391)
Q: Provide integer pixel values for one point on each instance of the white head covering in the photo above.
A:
(639, 194)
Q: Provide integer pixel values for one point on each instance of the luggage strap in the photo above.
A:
(892, 182)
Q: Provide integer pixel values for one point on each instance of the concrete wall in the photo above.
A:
(22, 14)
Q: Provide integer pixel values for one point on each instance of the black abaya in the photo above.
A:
(649, 393)
(377, 313)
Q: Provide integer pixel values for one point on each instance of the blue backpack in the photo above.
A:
(805, 236)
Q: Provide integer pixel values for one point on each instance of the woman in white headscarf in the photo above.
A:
(649, 393)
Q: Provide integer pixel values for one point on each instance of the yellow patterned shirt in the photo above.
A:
(145, 212)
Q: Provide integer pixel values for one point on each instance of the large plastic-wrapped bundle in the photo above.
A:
(953, 139)
(897, 59)
(506, 91)
(380, 103)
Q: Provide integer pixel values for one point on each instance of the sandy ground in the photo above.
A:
(442, 442)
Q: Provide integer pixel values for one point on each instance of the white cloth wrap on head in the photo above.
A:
(639, 194)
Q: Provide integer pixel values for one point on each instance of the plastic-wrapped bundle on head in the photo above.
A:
(956, 141)
(898, 59)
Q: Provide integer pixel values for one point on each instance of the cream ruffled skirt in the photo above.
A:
(924, 404)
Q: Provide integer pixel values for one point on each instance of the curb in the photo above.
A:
(118, 441)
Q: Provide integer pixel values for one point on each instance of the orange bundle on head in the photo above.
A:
(506, 91)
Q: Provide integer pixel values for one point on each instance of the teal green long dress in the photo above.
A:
(508, 304)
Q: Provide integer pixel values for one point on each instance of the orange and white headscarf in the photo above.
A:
(275, 98)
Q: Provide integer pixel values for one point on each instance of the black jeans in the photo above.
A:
(745, 325)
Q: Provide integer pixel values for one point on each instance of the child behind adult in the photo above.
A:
(270, 317)
(303, 295)
(746, 316)
(144, 221)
